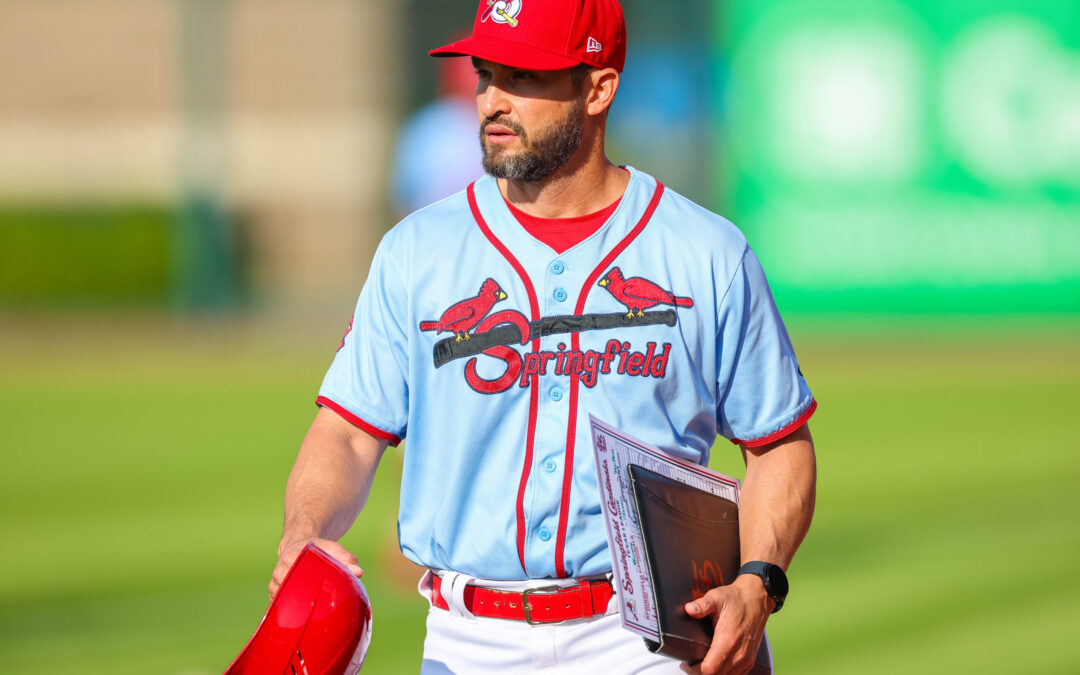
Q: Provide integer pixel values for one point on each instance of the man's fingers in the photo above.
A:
(733, 647)
(720, 656)
(706, 605)
(342, 555)
(280, 570)
(291, 552)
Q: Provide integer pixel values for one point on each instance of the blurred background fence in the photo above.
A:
(191, 190)
(257, 132)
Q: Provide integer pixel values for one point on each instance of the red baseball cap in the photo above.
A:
(545, 34)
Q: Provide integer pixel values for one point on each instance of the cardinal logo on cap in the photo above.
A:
(502, 11)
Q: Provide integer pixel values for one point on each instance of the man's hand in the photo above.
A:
(739, 611)
(288, 553)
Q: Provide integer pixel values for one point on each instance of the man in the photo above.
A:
(493, 322)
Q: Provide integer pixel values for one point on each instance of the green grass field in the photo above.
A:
(144, 462)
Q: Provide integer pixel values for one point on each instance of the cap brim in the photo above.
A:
(505, 52)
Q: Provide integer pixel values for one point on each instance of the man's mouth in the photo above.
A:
(499, 134)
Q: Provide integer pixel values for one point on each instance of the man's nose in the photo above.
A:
(491, 101)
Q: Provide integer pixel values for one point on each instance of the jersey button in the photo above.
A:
(559, 295)
(556, 394)
(558, 267)
(544, 534)
(549, 466)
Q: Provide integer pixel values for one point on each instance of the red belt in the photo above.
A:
(546, 604)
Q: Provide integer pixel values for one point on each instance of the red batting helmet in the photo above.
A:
(319, 623)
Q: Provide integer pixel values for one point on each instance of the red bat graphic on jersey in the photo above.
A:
(639, 294)
(463, 316)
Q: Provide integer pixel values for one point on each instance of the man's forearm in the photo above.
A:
(777, 499)
(330, 480)
(776, 505)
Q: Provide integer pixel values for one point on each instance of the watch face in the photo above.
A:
(776, 581)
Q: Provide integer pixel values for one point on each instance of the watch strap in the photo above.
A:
(765, 572)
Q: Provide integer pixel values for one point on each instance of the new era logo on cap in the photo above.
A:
(545, 34)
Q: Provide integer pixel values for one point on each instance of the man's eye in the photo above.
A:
(524, 75)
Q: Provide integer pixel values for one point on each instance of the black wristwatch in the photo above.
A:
(776, 583)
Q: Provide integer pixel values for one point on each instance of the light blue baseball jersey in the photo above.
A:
(488, 350)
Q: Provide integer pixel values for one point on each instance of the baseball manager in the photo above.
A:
(495, 321)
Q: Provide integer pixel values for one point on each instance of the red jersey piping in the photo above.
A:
(534, 382)
(356, 421)
(777, 435)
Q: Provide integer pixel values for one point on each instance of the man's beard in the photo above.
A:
(539, 157)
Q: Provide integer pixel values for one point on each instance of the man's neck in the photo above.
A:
(576, 189)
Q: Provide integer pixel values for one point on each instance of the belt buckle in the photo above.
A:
(528, 607)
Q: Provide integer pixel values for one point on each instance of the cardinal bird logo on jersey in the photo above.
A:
(465, 315)
(639, 294)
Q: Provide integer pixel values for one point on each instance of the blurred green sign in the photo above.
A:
(915, 156)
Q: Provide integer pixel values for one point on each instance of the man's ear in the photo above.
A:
(602, 84)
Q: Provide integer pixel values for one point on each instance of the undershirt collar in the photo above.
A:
(562, 234)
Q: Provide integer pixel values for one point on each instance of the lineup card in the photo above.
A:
(614, 451)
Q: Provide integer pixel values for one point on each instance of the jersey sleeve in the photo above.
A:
(366, 383)
(761, 391)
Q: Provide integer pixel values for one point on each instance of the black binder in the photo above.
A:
(691, 545)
